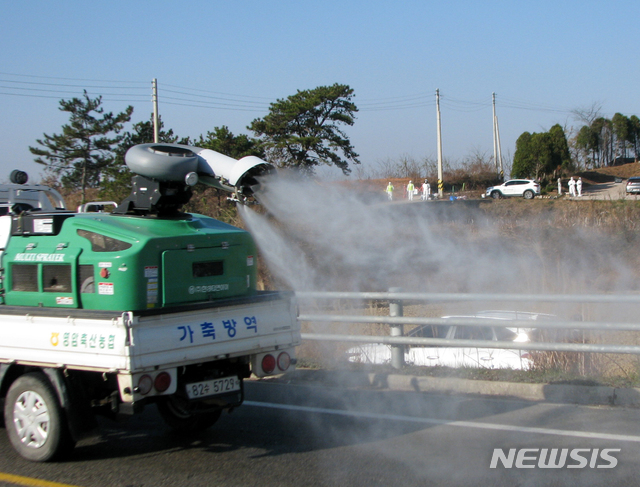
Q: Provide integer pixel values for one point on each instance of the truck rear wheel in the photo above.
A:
(178, 416)
(35, 420)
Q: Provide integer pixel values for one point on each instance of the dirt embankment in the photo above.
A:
(608, 174)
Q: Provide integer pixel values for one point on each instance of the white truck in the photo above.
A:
(104, 313)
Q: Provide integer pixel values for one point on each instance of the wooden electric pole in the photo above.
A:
(440, 181)
(154, 98)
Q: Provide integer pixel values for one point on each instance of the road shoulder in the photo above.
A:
(554, 393)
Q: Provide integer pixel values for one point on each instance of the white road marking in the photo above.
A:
(443, 422)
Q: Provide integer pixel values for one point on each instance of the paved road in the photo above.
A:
(606, 191)
(300, 435)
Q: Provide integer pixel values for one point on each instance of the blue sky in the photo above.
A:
(221, 63)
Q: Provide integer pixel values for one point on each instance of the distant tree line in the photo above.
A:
(599, 142)
(602, 142)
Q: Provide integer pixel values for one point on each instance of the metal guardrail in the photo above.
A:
(396, 321)
(455, 297)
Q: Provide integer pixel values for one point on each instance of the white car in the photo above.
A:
(526, 188)
(524, 333)
(633, 185)
(491, 358)
(514, 315)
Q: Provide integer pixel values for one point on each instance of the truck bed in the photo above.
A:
(135, 341)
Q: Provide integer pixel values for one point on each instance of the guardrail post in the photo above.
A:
(397, 351)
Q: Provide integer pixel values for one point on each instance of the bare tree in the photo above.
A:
(588, 115)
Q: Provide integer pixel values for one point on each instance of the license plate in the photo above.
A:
(213, 387)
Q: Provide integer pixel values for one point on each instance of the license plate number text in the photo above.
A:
(213, 387)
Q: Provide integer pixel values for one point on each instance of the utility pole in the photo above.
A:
(440, 181)
(497, 150)
(501, 173)
(154, 98)
(495, 137)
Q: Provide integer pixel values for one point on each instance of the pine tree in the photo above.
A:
(304, 130)
(84, 150)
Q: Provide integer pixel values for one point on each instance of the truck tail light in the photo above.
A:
(284, 360)
(162, 382)
(268, 363)
(144, 384)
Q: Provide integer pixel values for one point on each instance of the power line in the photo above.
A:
(130, 91)
(242, 102)
(526, 105)
(396, 107)
(462, 108)
(394, 99)
(217, 92)
(459, 105)
(58, 91)
(70, 86)
(237, 109)
(419, 100)
(30, 95)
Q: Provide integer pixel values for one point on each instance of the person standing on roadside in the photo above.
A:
(426, 190)
(579, 186)
(572, 187)
(410, 188)
(559, 186)
(389, 191)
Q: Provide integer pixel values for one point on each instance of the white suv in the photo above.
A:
(527, 188)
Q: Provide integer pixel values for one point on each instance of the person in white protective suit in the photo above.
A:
(410, 188)
(426, 190)
(572, 187)
(389, 191)
(579, 186)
